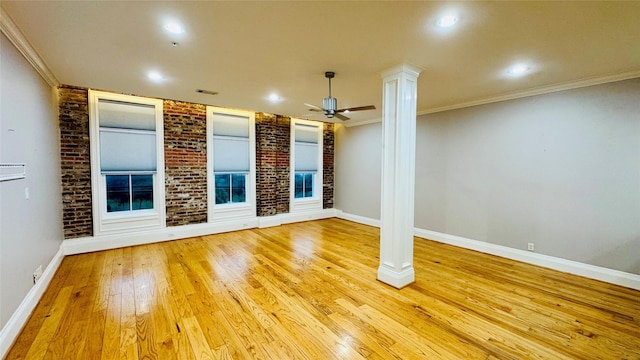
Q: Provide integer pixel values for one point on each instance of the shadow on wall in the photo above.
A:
(628, 251)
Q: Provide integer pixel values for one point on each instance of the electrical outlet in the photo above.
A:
(37, 274)
(531, 247)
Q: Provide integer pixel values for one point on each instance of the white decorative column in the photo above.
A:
(398, 175)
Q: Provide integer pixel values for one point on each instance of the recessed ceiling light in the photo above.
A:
(518, 69)
(155, 76)
(447, 21)
(274, 98)
(174, 28)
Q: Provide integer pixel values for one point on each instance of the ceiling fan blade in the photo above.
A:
(341, 117)
(358, 108)
(313, 107)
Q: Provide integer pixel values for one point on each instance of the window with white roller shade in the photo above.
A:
(231, 180)
(306, 179)
(127, 150)
(127, 136)
(127, 162)
(306, 148)
(124, 115)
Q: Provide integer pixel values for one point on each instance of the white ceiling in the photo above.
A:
(247, 50)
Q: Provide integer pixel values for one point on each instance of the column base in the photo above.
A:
(396, 279)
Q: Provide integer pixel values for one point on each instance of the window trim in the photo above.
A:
(231, 211)
(105, 223)
(309, 203)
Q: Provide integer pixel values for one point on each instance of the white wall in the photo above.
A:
(30, 230)
(561, 170)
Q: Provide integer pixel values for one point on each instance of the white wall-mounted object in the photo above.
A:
(12, 172)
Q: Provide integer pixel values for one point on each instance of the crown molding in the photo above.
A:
(539, 91)
(13, 33)
(598, 80)
(361, 122)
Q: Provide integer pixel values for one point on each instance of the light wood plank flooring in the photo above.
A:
(309, 291)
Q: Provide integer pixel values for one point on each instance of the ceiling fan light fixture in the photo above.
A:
(330, 104)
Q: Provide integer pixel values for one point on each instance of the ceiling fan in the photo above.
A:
(330, 104)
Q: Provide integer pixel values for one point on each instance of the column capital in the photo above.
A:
(402, 69)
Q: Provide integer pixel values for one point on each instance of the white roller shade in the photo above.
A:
(306, 157)
(230, 154)
(306, 133)
(115, 114)
(127, 150)
(230, 125)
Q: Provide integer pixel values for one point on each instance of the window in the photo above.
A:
(231, 136)
(231, 188)
(303, 184)
(129, 192)
(127, 163)
(306, 184)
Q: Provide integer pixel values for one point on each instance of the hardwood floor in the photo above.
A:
(309, 291)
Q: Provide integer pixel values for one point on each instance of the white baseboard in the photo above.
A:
(308, 215)
(114, 241)
(269, 221)
(573, 267)
(357, 218)
(288, 218)
(12, 328)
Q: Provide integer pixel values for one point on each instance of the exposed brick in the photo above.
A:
(272, 153)
(328, 170)
(185, 159)
(75, 161)
(185, 146)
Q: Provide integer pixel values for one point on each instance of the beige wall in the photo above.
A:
(358, 162)
(561, 170)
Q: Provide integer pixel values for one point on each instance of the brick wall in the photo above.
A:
(272, 164)
(327, 165)
(185, 157)
(185, 163)
(273, 142)
(75, 162)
